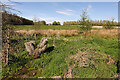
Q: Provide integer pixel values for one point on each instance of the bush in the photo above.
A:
(56, 23)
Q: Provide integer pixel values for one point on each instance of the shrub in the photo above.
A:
(56, 23)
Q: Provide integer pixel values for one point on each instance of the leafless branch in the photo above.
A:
(9, 6)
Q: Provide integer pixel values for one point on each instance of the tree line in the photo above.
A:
(13, 19)
(44, 23)
(93, 23)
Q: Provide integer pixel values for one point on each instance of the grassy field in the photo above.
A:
(37, 27)
(100, 46)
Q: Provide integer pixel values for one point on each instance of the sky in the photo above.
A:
(62, 0)
(67, 11)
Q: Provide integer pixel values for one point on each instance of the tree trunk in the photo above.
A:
(8, 44)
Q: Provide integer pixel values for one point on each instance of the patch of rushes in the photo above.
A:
(90, 60)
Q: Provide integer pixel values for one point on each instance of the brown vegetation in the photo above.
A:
(101, 33)
(105, 33)
(50, 32)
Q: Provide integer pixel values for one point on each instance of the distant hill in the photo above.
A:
(13, 19)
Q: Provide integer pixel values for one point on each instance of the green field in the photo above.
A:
(57, 61)
(54, 27)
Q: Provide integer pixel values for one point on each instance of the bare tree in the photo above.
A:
(6, 7)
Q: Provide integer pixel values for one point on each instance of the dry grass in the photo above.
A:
(100, 33)
(105, 33)
(50, 32)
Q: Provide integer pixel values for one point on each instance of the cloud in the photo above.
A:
(89, 7)
(69, 10)
(51, 19)
(63, 12)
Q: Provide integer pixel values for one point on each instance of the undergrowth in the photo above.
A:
(54, 62)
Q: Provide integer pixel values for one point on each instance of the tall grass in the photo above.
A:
(50, 32)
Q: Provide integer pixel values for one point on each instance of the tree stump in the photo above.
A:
(30, 47)
(41, 47)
